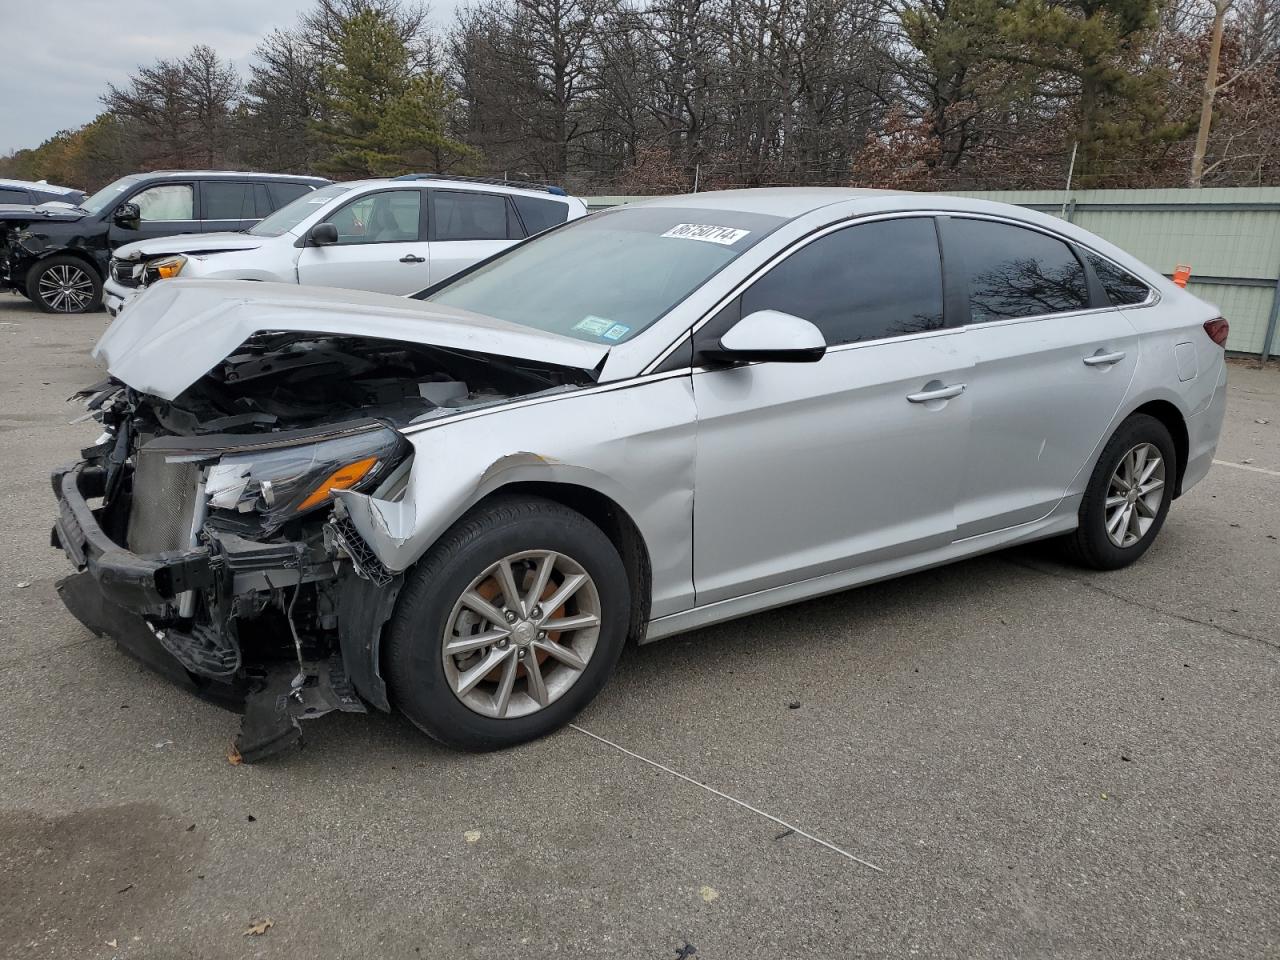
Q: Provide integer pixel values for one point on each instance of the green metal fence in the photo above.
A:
(1229, 236)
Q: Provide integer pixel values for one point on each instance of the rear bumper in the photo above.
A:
(126, 579)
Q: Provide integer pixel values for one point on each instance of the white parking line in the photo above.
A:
(725, 796)
(1246, 466)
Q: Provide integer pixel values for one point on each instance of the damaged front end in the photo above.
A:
(206, 536)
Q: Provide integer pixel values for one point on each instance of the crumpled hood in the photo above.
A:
(24, 212)
(177, 331)
(188, 243)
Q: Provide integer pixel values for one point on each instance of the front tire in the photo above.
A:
(1128, 496)
(509, 626)
(64, 285)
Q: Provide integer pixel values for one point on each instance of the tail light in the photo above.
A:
(1217, 329)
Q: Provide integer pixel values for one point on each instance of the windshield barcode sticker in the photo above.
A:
(706, 232)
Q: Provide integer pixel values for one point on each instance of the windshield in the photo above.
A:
(292, 214)
(607, 277)
(108, 195)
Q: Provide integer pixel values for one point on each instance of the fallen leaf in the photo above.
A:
(471, 836)
(23, 584)
(233, 756)
(708, 894)
(112, 943)
(259, 927)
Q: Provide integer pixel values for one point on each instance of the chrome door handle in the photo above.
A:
(410, 258)
(1104, 359)
(941, 393)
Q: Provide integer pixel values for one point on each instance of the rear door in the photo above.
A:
(228, 205)
(467, 226)
(166, 209)
(1053, 365)
(380, 245)
(805, 469)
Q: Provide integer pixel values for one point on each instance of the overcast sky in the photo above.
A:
(60, 55)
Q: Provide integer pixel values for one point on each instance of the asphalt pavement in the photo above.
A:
(1007, 757)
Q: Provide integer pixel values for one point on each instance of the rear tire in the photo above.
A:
(530, 681)
(1118, 526)
(64, 284)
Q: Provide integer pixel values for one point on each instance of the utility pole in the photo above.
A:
(1220, 8)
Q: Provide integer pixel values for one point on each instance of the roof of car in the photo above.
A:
(40, 186)
(463, 183)
(789, 202)
(297, 178)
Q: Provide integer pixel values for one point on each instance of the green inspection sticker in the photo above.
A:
(596, 326)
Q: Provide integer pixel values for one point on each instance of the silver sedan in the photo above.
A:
(659, 417)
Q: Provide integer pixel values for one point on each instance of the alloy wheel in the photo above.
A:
(1135, 494)
(66, 288)
(521, 634)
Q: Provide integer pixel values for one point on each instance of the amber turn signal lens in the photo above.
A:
(344, 478)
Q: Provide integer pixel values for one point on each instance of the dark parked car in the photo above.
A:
(31, 194)
(57, 256)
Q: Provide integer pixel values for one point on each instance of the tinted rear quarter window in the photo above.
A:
(1015, 272)
(865, 282)
(539, 214)
(283, 193)
(1122, 287)
(11, 195)
(462, 215)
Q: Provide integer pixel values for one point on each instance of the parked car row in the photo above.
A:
(58, 256)
(392, 236)
(388, 235)
(461, 504)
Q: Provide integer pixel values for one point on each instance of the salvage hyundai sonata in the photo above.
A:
(463, 504)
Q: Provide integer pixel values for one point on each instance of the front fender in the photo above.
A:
(632, 443)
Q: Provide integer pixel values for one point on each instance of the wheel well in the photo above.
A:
(84, 258)
(1171, 417)
(617, 526)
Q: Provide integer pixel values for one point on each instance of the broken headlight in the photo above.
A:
(281, 483)
(165, 269)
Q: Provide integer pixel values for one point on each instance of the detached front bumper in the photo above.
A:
(113, 588)
(126, 579)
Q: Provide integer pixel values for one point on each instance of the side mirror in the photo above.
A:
(322, 235)
(128, 215)
(768, 336)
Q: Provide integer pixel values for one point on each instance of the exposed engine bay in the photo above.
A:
(214, 537)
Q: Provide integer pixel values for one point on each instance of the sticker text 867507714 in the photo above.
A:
(706, 232)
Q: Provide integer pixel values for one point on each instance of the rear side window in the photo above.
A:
(1122, 287)
(461, 215)
(874, 280)
(539, 214)
(11, 195)
(285, 193)
(1014, 272)
(228, 200)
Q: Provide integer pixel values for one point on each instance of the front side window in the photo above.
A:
(109, 195)
(473, 216)
(167, 201)
(228, 201)
(865, 282)
(1122, 287)
(607, 277)
(388, 217)
(1015, 272)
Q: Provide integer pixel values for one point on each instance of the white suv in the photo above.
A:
(394, 236)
